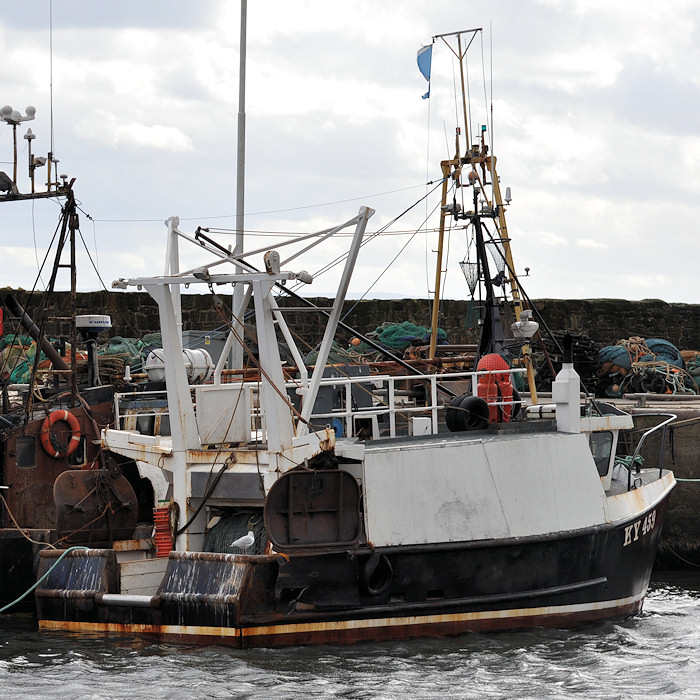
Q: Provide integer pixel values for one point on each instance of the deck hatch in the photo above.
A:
(314, 509)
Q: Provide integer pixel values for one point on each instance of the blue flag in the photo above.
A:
(425, 57)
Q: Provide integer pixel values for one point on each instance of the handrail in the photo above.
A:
(653, 429)
(388, 387)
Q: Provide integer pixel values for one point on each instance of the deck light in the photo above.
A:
(525, 327)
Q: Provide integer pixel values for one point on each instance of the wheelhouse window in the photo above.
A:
(601, 447)
(77, 459)
(26, 451)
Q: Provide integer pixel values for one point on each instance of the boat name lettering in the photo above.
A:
(646, 524)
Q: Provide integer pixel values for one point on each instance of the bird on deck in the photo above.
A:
(247, 540)
(6, 184)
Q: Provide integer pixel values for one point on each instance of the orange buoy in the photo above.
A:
(496, 388)
(59, 452)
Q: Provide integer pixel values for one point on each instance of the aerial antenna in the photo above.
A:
(51, 78)
(491, 99)
(238, 295)
(447, 171)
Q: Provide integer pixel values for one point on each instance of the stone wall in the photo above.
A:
(608, 320)
(605, 320)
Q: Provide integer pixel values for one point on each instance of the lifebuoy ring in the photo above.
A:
(50, 445)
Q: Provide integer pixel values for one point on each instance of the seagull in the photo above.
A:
(6, 184)
(245, 541)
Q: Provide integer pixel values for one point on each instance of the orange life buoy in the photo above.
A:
(72, 446)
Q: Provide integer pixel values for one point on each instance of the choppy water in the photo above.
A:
(654, 655)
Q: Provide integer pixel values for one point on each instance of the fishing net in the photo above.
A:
(496, 250)
(399, 336)
(230, 528)
(635, 349)
(131, 351)
(337, 355)
(636, 365)
(18, 353)
(471, 274)
(692, 365)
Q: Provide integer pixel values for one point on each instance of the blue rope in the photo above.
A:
(42, 579)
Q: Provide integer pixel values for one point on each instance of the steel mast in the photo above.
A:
(479, 162)
(238, 293)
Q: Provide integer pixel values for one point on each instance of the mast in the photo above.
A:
(237, 349)
(69, 226)
(447, 167)
(479, 163)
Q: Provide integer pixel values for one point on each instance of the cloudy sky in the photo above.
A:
(595, 125)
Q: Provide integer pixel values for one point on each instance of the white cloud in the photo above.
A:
(106, 129)
(591, 244)
(594, 110)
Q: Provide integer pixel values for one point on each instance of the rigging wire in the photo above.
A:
(469, 95)
(370, 238)
(124, 319)
(489, 123)
(393, 260)
(257, 233)
(269, 211)
(36, 254)
(427, 249)
(491, 135)
(32, 291)
(333, 263)
(383, 230)
(427, 175)
(94, 240)
(483, 81)
(454, 95)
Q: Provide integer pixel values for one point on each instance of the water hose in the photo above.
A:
(41, 580)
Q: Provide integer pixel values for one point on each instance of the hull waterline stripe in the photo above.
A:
(496, 598)
(339, 625)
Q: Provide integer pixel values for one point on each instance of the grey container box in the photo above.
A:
(212, 342)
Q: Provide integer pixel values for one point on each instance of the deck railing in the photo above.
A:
(670, 417)
(392, 399)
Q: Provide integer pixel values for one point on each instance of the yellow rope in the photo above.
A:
(19, 529)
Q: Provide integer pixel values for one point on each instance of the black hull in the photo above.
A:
(425, 591)
(19, 560)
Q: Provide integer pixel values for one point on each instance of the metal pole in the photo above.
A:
(446, 166)
(237, 349)
(72, 226)
(14, 168)
(462, 59)
(14, 307)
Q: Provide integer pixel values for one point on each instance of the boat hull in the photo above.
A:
(28, 514)
(425, 591)
(19, 554)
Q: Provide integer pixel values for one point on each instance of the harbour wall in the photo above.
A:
(605, 321)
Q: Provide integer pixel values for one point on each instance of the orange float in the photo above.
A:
(496, 388)
(72, 446)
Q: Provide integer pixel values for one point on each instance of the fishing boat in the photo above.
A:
(498, 523)
(51, 417)
(303, 505)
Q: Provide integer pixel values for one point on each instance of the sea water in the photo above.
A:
(653, 655)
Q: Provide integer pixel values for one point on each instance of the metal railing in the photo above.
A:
(664, 424)
(390, 396)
